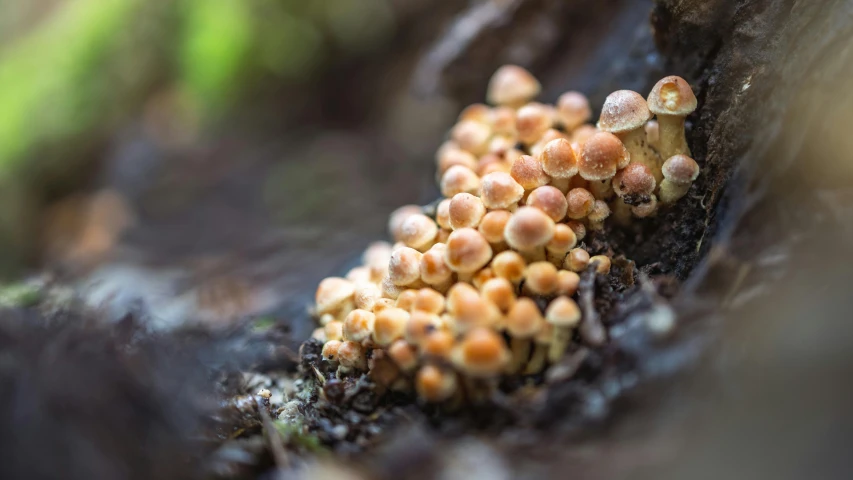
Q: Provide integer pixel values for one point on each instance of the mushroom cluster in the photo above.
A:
(482, 284)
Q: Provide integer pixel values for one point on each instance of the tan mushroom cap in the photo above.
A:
(333, 293)
(503, 121)
(500, 292)
(573, 109)
(541, 278)
(428, 300)
(481, 353)
(467, 251)
(404, 268)
(476, 112)
(458, 179)
(397, 217)
(493, 224)
(404, 355)
(435, 384)
(389, 325)
(468, 309)
(509, 265)
(442, 214)
(532, 121)
(528, 229)
(456, 156)
(418, 231)
(680, 169)
(567, 283)
(563, 312)
(472, 136)
(577, 227)
(335, 330)
(330, 350)
(672, 96)
(420, 325)
(406, 299)
(527, 171)
(600, 211)
(563, 241)
(466, 211)
(623, 111)
(602, 155)
(635, 179)
(439, 344)
(580, 203)
(582, 134)
(434, 269)
(602, 263)
(513, 86)
(550, 200)
(500, 190)
(352, 355)
(646, 209)
(577, 260)
(358, 326)
(524, 319)
(558, 159)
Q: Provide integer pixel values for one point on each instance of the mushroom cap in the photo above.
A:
(527, 171)
(358, 326)
(492, 225)
(389, 325)
(404, 268)
(602, 263)
(563, 241)
(600, 211)
(672, 96)
(558, 159)
(458, 179)
(509, 265)
(580, 203)
(439, 344)
(468, 309)
(434, 269)
(456, 156)
(577, 227)
(330, 350)
(472, 136)
(435, 384)
(550, 200)
(500, 292)
(397, 217)
(481, 353)
(529, 228)
(602, 154)
(467, 251)
(418, 231)
(512, 85)
(466, 211)
(577, 260)
(503, 121)
(428, 300)
(635, 179)
(563, 312)
(351, 355)
(335, 330)
(567, 283)
(524, 319)
(442, 214)
(623, 111)
(500, 190)
(404, 355)
(573, 109)
(644, 210)
(583, 133)
(541, 278)
(532, 121)
(406, 299)
(476, 112)
(680, 169)
(420, 325)
(332, 293)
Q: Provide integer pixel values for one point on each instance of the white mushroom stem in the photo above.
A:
(621, 212)
(638, 147)
(561, 184)
(601, 190)
(533, 255)
(670, 192)
(557, 258)
(537, 361)
(672, 139)
(559, 342)
(520, 353)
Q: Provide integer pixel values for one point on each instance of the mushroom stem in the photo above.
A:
(670, 191)
(520, 353)
(672, 139)
(557, 258)
(533, 255)
(637, 145)
(562, 184)
(559, 342)
(621, 212)
(537, 361)
(601, 189)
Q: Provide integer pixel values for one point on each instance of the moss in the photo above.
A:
(20, 295)
(296, 435)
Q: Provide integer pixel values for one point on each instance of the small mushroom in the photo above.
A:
(601, 263)
(492, 227)
(532, 121)
(509, 265)
(330, 351)
(442, 214)
(550, 135)
(563, 241)
(679, 172)
(406, 299)
(541, 346)
(522, 323)
(573, 110)
(500, 190)
(404, 268)
(434, 270)
(434, 384)
(481, 353)
(527, 171)
(438, 344)
(672, 100)
(634, 183)
(550, 200)
(456, 156)
(472, 136)
(577, 260)
(418, 232)
(351, 357)
(420, 325)
(428, 300)
(564, 315)
(578, 227)
(541, 278)
(333, 294)
(567, 283)
(404, 355)
(596, 218)
(389, 325)
(500, 292)
(647, 209)
(467, 251)
(469, 310)
(625, 114)
(376, 257)
(476, 112)
(579, 203)
(396, 219)
(601, 156)
(358, 326)
(459, 179)
(528, 231)
(512, 86)
(335, 330)
(559, 162)
(503, 121)
(466, 211)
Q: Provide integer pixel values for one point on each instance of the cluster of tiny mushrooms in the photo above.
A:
(455, 301)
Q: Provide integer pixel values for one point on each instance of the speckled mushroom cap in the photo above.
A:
(623, 111)
(500, 190)
(636, 178)
(512, 85)
(529, 228)
(601, 156)
(332, 293)
(524, 319)
(563, 312)
(467, 251)
(672, 96)
(558, 159)
(680, 169)
(482, 352)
